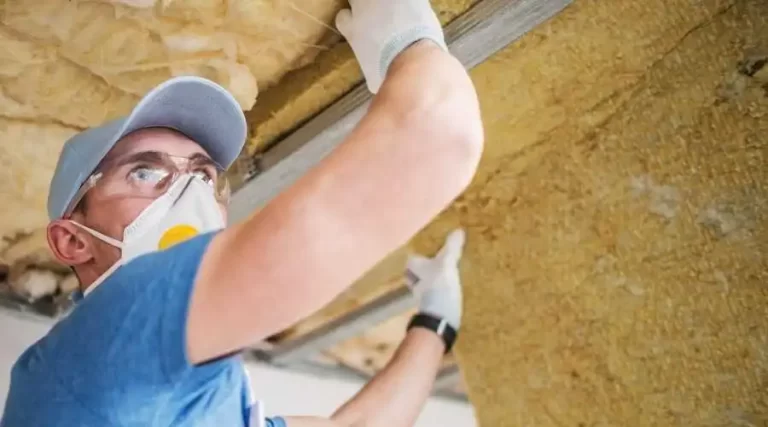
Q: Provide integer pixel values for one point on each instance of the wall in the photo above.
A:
(281, 391)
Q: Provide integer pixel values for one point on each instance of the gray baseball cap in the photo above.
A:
(199, 108)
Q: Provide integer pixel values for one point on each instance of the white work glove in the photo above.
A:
(436, 282)
(378, 30)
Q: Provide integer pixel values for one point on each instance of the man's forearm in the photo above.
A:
(396, 395)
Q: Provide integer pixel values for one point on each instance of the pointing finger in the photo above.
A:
(454, 245)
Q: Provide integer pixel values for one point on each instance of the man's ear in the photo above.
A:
(68, 243)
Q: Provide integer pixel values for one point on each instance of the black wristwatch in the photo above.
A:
(437, 325)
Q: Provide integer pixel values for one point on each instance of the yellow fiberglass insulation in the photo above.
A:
(617, 252)
(69, 64)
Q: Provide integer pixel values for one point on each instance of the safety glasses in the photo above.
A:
(149, 174)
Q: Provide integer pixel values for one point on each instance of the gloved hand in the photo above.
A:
(436, 281)
(378, 30)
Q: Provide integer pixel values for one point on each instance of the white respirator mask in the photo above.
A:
(187, 209)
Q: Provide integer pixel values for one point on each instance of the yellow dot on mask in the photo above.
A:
(176, 235)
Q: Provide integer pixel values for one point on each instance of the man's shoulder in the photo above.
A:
(131, 327)
(48, 390)
(36, 391)
(121, 348)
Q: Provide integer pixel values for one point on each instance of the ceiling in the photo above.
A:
(616, 255)
(66, 65)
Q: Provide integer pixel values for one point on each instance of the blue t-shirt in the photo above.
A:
(119, 358)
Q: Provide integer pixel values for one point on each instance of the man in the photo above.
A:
(170, 296)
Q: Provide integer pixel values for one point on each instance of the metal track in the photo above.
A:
(473, 37)
(338, 330)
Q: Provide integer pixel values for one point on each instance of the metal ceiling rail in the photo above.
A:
(45, 311)
(473, 37)
(340, 329)
(345, 373)
(448, 379)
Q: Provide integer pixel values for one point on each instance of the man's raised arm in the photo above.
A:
(416, 149)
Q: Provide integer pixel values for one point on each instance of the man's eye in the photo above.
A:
(205, 176)
(145, 174)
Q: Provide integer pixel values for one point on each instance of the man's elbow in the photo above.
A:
(460, 135)
(470, 140)
(432, 97)
(454, 113)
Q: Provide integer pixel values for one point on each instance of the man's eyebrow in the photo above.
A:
(200, 157)
(204, 159)
(142, 156)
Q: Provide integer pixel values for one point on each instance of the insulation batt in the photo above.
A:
(34, 284)
(617, 248)
(69, 64)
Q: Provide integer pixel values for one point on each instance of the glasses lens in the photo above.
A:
(150, 174)
(222, 189)
(145, 175)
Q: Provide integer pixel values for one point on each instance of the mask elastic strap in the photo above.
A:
(101, 278)
(103, 237)
(108, 240)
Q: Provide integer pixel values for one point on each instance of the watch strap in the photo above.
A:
(437, 325)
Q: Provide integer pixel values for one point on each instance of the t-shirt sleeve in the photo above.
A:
(131, 330)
